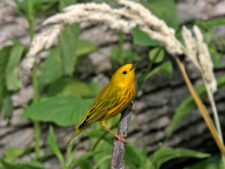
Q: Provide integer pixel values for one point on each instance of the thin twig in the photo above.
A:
(202, 108)
(119, 146)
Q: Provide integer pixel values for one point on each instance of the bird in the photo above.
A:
(110, 101)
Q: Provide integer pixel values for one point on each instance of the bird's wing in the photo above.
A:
(107, 99)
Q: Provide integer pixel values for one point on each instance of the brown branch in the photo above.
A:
(119, 146)
(202, 108)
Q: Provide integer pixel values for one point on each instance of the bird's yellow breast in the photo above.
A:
(127, 94)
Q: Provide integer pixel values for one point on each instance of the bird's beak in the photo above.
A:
(133, 67)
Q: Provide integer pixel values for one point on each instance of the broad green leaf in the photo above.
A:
(188, 105)
(165, 68)
(166, 153)
(73, 87)
(7, 106)
(64, 111)
(156, 54)
(142, 38)
(51, 69)
(166, 10)
(11, 153)
(54, 146)
(22, 165)
(3, 62)
(68, 39)
(12, 81)
(84, 47)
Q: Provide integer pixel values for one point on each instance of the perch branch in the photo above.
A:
(119, 147)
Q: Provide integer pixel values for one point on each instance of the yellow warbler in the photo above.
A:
(112, 100)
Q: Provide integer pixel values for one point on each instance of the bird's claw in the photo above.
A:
(131, 108)
(120, 138)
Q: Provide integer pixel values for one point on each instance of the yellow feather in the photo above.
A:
(112, 100)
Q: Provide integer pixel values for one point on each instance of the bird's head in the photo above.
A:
(125, 74)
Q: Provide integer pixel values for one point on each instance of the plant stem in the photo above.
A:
(202, 108)
(216, 118)
(37, 131)
(119, 147)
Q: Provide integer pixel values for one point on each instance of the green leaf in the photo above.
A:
(103, 162)
(213, 162)
(166, 153)
(156, 54)
(64, 3)
(12, 81)
(211, 23)
(188, 105)
(73, 87)
(11, 153)
(103, 157)
(22, 165)
(64, 111)
(7, 106)
(3, 62)
(84, 47)
(142, 38)
(165, 68)
(83, 161)
(166, 10)
(38, 6)
(215, 55)
(68, 39)
(122, 57)
(51, 69)
(54, 146)
(134, 158)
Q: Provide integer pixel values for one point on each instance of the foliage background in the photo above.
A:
(66, 80)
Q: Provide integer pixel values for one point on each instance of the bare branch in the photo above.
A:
(119, 146)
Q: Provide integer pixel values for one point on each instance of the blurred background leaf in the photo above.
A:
(213, 162)
(166, 153)
(4, 53)
(166, 10)
(12, 81)
(22, 165)
(188, 105)
(54, 146)
(68, 39)
(11, 153)
(142, 38)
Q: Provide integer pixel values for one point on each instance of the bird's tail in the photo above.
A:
(83, 124)
(77, 131)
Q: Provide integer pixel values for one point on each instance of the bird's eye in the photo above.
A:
(124, 72)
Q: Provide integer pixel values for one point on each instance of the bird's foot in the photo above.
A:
(131, 107)
(120, 138)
